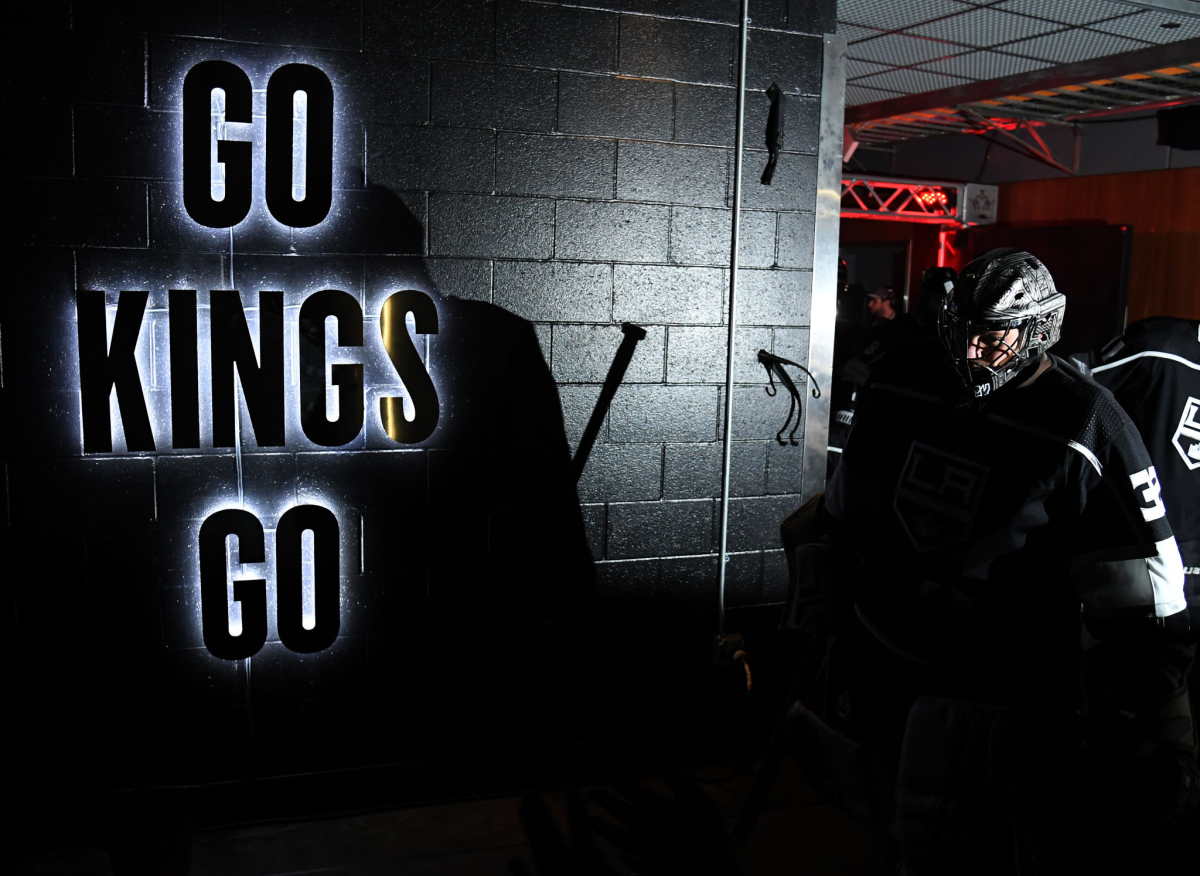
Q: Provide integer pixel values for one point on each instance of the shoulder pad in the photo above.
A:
(1164, 334)
(1082, 410)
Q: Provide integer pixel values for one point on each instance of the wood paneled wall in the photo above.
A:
(1162, 206)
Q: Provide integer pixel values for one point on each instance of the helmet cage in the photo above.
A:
(1037, 330)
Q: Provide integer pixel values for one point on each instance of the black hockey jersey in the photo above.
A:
(973, 535)
(1154, 373)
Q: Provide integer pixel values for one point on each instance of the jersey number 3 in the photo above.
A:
(1151, 495)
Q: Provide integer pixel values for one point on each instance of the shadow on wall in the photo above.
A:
(451, 549)
(504, 531)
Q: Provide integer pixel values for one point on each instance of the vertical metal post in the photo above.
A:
(825, 263)
(820, 363)
(908, 254)
(727, 447)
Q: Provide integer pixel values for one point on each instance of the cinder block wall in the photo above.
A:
(545, 171)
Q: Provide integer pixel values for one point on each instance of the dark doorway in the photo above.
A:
(869, 266)
(872, 265)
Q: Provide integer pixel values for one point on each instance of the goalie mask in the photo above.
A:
(1003, 313)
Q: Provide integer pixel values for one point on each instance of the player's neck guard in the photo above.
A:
(976, 396)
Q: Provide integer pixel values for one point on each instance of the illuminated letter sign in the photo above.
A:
(251, 593)
(185, 368)
(299, 101)
(261, 376)
(289, 579)
(198, 86)
(107, 365)
(254, 353)
(299, 145)
(103, 366)
(409, 366)
(348, 379)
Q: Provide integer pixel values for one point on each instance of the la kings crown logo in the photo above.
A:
(937, 497)
(1187, 434)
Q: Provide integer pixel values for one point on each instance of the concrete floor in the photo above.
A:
(798, 833)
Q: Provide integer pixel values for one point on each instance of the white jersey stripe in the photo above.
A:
(1157, 354)
(1166, 576)
(1074, 445)
(1088, 455)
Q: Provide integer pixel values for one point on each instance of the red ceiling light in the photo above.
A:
(932, 197)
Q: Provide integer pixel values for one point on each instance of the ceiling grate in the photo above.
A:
(1062, 105)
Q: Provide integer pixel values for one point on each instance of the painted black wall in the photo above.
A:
(545, 172)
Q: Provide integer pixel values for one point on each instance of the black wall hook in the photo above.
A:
(774, 365)
(774, 131)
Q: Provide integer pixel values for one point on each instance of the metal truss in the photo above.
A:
(924, 201)
(1026, 112)
(1038, 149)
